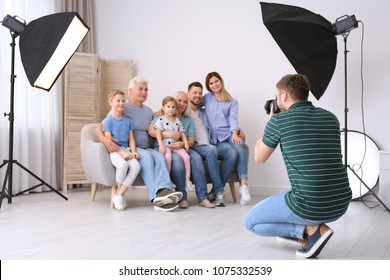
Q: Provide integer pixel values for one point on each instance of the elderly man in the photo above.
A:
(153, 167)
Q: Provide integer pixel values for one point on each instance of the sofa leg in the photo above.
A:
(114, 189)
(93, 191)
(233, 191)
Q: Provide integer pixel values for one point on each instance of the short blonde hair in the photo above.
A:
(177, 93)
(112, 93)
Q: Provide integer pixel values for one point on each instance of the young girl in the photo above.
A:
(119, 127)
(168, 121)
(221, 114)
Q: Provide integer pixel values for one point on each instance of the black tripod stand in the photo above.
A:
(345, 129)
(11, 161)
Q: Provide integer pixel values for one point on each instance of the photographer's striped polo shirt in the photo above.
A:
(309, 139)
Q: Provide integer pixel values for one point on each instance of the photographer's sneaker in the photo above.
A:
(245, 195)
(119, 202)
(315, 242)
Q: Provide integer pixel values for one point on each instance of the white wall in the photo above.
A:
(175, 42)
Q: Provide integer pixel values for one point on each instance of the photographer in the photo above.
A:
(309, 138)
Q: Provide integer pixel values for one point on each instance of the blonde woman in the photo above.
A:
(220, 115)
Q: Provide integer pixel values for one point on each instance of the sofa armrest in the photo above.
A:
(95, 158)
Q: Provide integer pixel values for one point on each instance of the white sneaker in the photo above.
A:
(189, 186)
(245, 195)
(119, 202)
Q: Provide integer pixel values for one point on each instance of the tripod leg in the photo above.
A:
(4, 191)
(369, 190)
(40, 180)
(4, 163)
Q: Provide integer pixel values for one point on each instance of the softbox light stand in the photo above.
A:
(309, 42)
(345, 129)
(46, 46)
(7, 192)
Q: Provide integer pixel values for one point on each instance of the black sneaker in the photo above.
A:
(315, 242)
(166, 196)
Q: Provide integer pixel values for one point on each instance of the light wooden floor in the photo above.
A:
(43, 226)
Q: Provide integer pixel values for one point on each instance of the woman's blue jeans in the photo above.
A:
(242, 159)
(228, 156)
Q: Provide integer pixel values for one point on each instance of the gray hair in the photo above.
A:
(137, 80)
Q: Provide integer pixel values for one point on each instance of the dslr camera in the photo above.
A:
(271, 103)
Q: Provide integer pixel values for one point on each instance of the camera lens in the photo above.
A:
(267, 106)
(274, 104)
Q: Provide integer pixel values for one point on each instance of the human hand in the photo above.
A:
(162, 149)
(272, 111)
(275, 109)
(173, 135)
(236, 140)
(177, 145)
(125, 154)
(110, 144)
(242, 134)
(136, 155)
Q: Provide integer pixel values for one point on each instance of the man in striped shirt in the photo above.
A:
(309, 139)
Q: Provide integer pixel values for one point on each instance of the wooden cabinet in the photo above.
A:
(116, 75)
(88, 78)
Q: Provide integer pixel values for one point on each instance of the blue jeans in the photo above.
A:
(197, 173)
(178, 174)
(209, 153)
(228, 156)
(272, 217)
(154, 171)
(242, 160)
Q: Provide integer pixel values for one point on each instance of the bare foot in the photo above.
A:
(206, 203)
